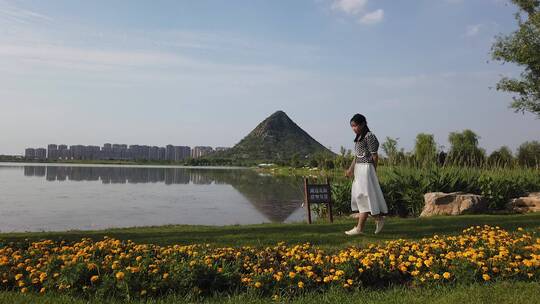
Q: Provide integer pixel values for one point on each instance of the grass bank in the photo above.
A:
(321, 234)
(503, 292)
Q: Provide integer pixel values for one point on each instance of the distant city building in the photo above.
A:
(41, 154)
(118, 152)
(162, 153)
(63, 152)
(77, 152)
(219, 149)
(200, 151)
(30, 153)
(153, 154)
(52, 152)
(181, 153)
(169, 153)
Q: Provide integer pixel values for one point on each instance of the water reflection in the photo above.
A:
(275, 199)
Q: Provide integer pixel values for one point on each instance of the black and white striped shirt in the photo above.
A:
(365, 148)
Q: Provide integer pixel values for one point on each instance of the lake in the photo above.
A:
(47, 197)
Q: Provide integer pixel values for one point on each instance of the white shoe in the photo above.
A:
(380, 225)
(354, 231)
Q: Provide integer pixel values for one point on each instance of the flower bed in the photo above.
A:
(113, 268)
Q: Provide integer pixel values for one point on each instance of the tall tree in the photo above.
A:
(501, 158)
(522, 47)
(425, 149)
(529, 154)
(390, 148)
(464, 150)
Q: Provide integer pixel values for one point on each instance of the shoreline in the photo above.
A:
(321, 233)
(112, 164)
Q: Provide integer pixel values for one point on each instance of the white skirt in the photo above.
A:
(366, 193)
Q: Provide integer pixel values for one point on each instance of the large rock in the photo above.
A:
(530, 203)
(455, 203)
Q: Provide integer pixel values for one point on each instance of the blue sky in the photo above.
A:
(206, 72)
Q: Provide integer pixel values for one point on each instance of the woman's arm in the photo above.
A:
(375, 157)
(350, 171)
(373, 146)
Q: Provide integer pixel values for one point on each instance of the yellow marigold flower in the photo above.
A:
(300, 284)
(486, 277)
(436, 276)
(42, 290)
(292, 274)
(446, 275)
(165, 276)
(119, 275)
(94, 278)
(91, 266)
(24, 290)
(349, 281)
(18, 276)
(143, 292)
(258, 285)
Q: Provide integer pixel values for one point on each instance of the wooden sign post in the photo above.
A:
(318, 194)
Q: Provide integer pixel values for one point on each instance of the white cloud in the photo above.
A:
(473, 30)
(350, 6)
(12, 13)
(358, 9)
(372, 17)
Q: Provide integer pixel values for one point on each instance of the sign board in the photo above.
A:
(317, 194)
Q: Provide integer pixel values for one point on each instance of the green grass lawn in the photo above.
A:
(324, 235)
(502, 292)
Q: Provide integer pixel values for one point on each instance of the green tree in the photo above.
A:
(319, 159)
(329, 164)
(390, 148)
(464, 150)
(529, 154)
(522, 47)
(343, 160)
(425, 149)
(501, 158)
(295, 160)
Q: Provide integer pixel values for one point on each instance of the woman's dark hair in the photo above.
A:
(360, 119)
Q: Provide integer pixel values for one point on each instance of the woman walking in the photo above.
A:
(366, 194)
